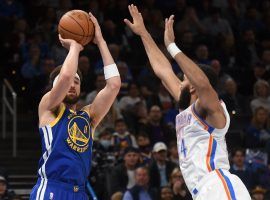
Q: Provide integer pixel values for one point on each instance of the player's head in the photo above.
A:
(187, 90)
(73, 94)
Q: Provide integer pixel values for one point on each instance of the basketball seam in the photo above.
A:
(79, 25)
(87, 23)
(72, 32)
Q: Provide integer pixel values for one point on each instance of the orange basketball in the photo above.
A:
(77, 25)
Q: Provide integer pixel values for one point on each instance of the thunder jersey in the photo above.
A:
(67, 147)
(201, 147)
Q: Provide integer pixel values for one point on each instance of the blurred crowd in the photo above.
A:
(135, 144)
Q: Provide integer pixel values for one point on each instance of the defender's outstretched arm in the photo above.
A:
(158, 61)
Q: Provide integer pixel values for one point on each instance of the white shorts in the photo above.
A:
(221, 185)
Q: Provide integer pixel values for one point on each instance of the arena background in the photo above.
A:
(232, 36)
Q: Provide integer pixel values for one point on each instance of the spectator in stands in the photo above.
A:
(47, 25)
(123, 175)
(166, 193)
(158, 132)
(122, 138)
(260, 72)
(87, 76)
(179, 188)
(222, 76)
(258, 193)
(142, 190)
(261, 96)
(5, 194)
(160, 168)
(155, 26)
(190, 22)
(173, 152)
(137, 117)
(247, 51)
(99, 83)
(126, 78)
(258, 132)
(201, 54)
(187, 42)
(111, 33)
(251, 20)
(217, 26)
(145, 148)
(133, 97)
(58, 52)
(235, 102)
(241, 169)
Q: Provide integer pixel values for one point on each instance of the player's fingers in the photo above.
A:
(131, 10)
(136, 9)
(171, 17)
(127, 22)
(92, 17)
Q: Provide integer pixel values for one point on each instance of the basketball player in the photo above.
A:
(202, 122)
(67, 133)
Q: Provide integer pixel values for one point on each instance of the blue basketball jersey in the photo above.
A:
(67, 147)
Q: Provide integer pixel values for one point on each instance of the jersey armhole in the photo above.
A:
(92, 122)
(60, 114)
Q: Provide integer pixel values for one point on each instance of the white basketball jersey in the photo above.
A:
(201, 147)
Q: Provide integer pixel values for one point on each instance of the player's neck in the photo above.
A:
(193, 99)
(71, 106)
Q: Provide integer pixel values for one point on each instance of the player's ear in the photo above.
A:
(191, 89)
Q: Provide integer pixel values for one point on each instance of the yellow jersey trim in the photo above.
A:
(62, 109)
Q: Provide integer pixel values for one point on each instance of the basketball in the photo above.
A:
(77, 25)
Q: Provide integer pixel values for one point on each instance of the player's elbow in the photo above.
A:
(114, 85)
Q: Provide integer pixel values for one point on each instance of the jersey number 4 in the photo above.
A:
(183, 148)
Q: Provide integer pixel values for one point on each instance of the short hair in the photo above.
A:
(210, 74)
(55, 73)
(238, 149)
(119, 121)
(143, 167)
(142, 134)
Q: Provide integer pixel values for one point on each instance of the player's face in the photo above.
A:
(73, 94)
(185, 97)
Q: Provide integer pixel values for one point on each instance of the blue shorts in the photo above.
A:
(54, 190)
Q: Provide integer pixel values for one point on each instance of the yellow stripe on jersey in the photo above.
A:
(61, 112)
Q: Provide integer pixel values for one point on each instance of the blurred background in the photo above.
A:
(232, 36)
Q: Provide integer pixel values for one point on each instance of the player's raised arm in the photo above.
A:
(158, 61)
(208, 98)
(106, 97)
(62, 83)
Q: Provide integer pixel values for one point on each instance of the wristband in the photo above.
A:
(110, 71)
(173, 49)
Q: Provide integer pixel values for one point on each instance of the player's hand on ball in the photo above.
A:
(168, 33)
(138, 25)
(67, 43)
(98, 35)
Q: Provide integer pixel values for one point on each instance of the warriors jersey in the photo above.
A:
(66, 149)
(202, 149)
